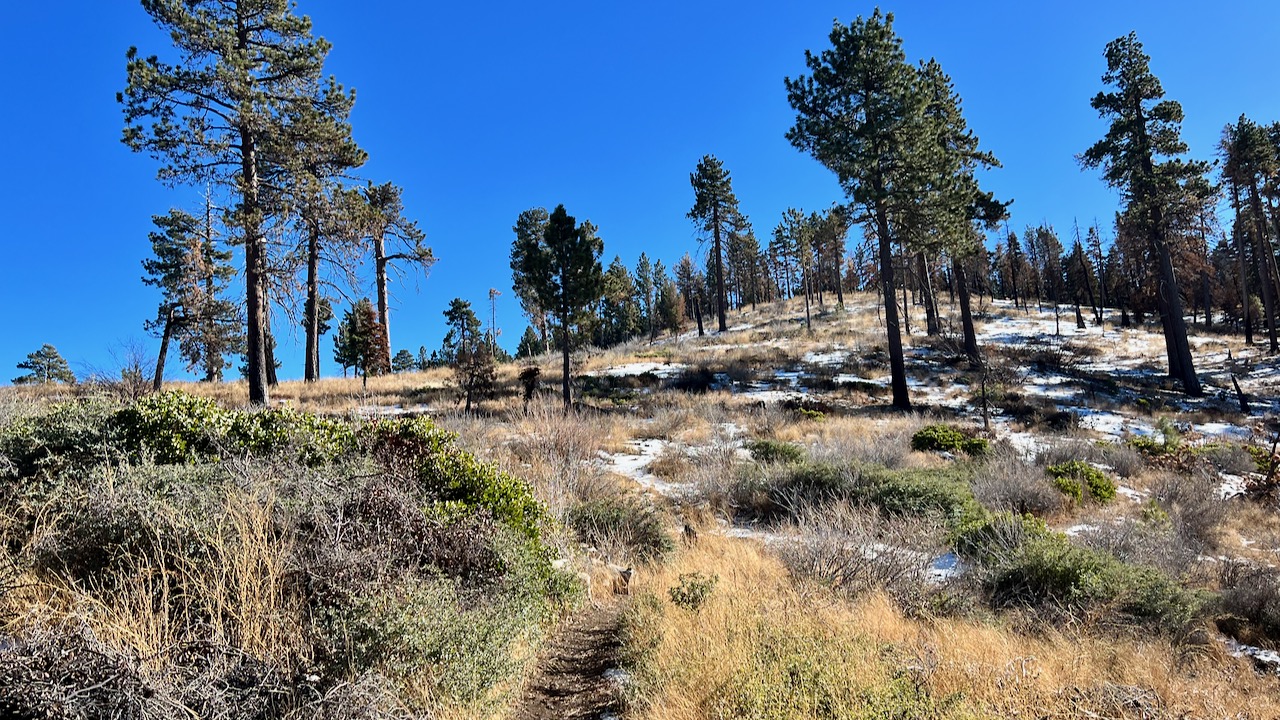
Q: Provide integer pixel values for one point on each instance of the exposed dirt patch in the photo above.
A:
(570, 680)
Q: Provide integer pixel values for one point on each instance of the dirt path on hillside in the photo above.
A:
(570, 681)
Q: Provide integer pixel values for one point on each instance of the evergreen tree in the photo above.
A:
(644, 294)
(860, 114)
(245, 93)
(561, 270)
(468, 351)
(360, 342)
(45, 366)
(394, 239)
(529, 229)
(403, 362)
(192, 274)
(620, 314)
(715, 210)
(1144, 128)
(1249, 160)
(530, 344)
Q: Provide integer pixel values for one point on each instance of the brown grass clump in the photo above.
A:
(762, 647)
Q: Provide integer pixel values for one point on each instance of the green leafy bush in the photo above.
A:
(171, 427)
(621, 523)
(693, 591)
(775, 451)
(277, 430)
(1075, 477)
(1022, 563)
(946, 438)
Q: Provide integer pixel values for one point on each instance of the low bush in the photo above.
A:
(1023, 564)
(775, 451)
(1123, 460)
(1007, 483)
(1074, 478)
(947, 438)
(942, 493)
(621, 526)
(693, 591)
(854, 550)
(1250, 601)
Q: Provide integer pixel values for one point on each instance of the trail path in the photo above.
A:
(571, 679)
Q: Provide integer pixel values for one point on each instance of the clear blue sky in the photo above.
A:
(481, 110)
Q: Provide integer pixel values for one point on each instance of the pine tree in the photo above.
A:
(530, 344)
(45, 366)
(403, 362)
(1144, 128)
(620, 311)
(644, 295)
(192, 275)
(360, 342)
(469, 353)
(561, 270)
(394, 239)
(246, 92)
(529, 229)
(1249, 159)
(860, 114)
(715, 210)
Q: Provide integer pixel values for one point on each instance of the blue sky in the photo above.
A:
(481, 110)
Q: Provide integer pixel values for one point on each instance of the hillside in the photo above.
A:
(1101, 546)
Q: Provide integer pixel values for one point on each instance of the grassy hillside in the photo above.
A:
(1090, 545)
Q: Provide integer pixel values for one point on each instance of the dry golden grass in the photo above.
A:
(696, 665)
(239, 590)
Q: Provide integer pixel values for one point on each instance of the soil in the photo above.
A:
(569, 680)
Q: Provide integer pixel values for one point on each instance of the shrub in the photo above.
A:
(274, 431)
(613, 524)
(1021, 563)
(946, 438)
(775, 451)
(1194, 506)
(1251, 598)
(813, 415)
(693, 591)
(171, 427)
(66, 436)
(1075, 477)
(1009, 483)
(854, 549)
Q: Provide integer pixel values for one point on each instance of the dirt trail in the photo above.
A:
(569, 681)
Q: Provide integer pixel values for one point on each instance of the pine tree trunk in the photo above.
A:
(807, 324)
(165, 335)
(564, 383)
(1206, 299)
(1176, 325)
(897, 365)
(906, 309)
(311, 371)
(255, 254)
(961, 282)
(1079, 318)
(926, 295)
(1245, 309)
(1266, 270)
(720, 298)
(380, 271)
(697, 313)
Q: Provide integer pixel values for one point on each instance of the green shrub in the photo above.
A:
(622, 523)
(1022, 563)
(66, 436)
(775, 451)
(946, 438)
(693, 591)
(272, 431)
(941, 492)
(415, 447)
(1074, 477)
(814, 415)
(171, 427)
